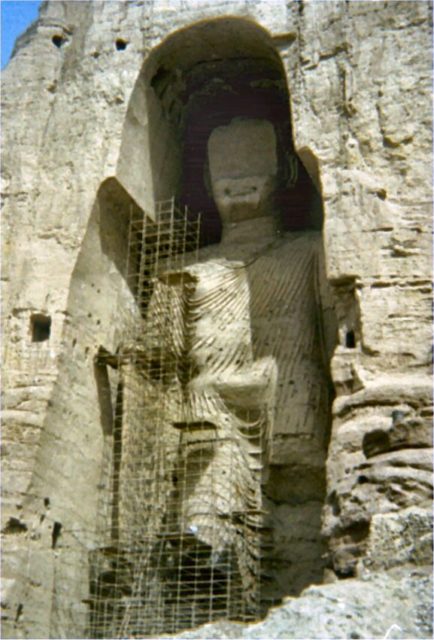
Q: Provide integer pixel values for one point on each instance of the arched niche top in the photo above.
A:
(211, 40)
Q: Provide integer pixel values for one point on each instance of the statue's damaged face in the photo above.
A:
(243, 167)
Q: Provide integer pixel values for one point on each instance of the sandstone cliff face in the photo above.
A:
(87, 141)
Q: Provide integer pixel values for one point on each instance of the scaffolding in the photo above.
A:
(181, 523)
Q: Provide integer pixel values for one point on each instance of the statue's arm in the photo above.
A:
(252, 387)
(162, 331)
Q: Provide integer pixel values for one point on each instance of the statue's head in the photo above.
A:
(242, 159)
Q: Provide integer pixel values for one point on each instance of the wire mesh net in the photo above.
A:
(181, 522)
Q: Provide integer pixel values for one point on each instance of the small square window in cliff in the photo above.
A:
(350, 340)
(40, 326)
(121, 45)
(58, 41)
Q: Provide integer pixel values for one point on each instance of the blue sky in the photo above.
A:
(16, 15)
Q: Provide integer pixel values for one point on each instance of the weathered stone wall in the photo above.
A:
(359, 78)
(376, 197)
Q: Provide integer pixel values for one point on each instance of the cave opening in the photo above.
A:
(40, 327)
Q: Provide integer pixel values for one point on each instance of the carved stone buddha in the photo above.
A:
(242, 357)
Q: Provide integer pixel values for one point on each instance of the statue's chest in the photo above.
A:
(218, 308)
(282, 288)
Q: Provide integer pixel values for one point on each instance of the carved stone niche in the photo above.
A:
(228, 152)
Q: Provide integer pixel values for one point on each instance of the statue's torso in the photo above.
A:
(286, 312)
(285, 285)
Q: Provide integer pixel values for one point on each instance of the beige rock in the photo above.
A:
(98, 101)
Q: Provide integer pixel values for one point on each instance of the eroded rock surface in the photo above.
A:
(107, 107)
(387, 605)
